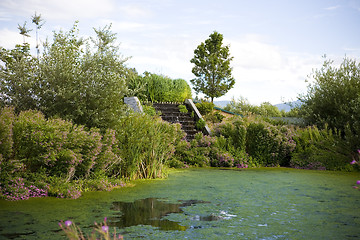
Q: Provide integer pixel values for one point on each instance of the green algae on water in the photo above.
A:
(264, 203)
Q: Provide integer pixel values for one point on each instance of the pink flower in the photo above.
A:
(105, 228)
(353, 162)
(68, 223)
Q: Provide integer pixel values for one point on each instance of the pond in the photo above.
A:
(263, 203)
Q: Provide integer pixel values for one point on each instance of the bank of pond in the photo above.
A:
(203, 203)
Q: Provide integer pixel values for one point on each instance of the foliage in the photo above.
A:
(200, 124)
(183, 109)
(320, 149)
(269, 145)
(212, 67)
(54, 148)
(72, 79)
(150, 110)
(86, 88)
(205, 107)
(234, 132)
(159, 88)
(333, 98)
(56, 145)
(146, 144)
(243, 107)
(18, 78)
(215, 117)
(6, 131)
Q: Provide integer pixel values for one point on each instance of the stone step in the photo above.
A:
(170, 112)
(177, 118)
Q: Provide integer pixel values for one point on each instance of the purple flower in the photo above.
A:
(105, 228)
(353, 162)
(68, 223)
(358, 182)
(359, 151)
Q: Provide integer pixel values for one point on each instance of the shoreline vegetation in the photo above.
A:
(52, 157)
(64, 128)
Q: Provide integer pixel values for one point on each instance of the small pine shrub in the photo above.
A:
(182, 108)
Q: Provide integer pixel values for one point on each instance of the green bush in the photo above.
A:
(234, 131)
(149, 110)
(183, 109)
(321, 149)
(146, 144)
(205, 107)
(200, 124)
(56, 145)
(7, 118)
(269, 145)
(164, 89)
(214, 117)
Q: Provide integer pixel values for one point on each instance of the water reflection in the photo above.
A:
(149, 211)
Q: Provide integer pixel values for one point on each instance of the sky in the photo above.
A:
(276, 44)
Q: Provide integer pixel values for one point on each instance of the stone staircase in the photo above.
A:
(170, 112)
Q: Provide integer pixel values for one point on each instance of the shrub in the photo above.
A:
(7, 118)
(56, 145)
(214, 117)
(243, 160)
(149, 110)
(146, 144)
(269, 145)
(205, 107)
(235, 132)
(221, 158)
(109, 160)
(200, 124)
(15, 189)
(320, 149)
(163, 89)
(183, 109)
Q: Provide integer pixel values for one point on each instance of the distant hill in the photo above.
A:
(221, 104)
(281, 106)
(287, 106)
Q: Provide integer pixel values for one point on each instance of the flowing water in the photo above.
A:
(271, 203)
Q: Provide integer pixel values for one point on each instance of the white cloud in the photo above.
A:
(265, 72)
(134, 11)
(251, 52)
(332, 8)
(8, 39)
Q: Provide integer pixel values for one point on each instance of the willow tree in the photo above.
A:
(212, 67)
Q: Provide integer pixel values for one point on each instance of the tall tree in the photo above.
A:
(212, 67)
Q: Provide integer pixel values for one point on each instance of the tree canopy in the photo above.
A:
(72, 79)
(333, 97)
(212, 67)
